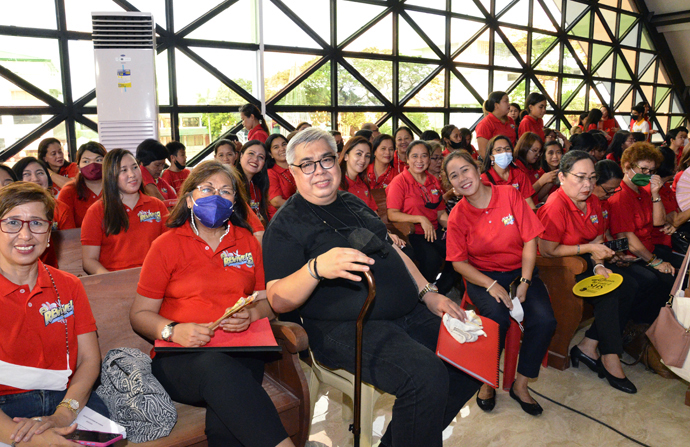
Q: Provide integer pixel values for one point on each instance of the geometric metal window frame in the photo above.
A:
(397, 108)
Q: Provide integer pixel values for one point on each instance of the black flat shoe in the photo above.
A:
(487, 404)
(623, 384)
(577, 356)
(534, 409)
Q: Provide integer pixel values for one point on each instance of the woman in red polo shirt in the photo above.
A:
(254, 122)
(492, 242)
(498, 168)
(253, 173)
(416, 196)
(152, 156)
(86, 188)
(527, 153)
(118, 229)
(620, 142)
(534, 121)
(61, 171)
(50, 357)
(550, 162)
(608, 122)
(403, 137)
(209, 235)
(282, 183)
(381, 171)
(452, 139)
(496, 122)
(575, 225)
(354, 160)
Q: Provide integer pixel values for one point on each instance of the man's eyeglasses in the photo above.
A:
(610, 193)
(309, 167)
(207, 190)
(36, 226)
(583, 178)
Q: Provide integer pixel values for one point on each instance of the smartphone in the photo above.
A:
(617, 244)
(94, 438)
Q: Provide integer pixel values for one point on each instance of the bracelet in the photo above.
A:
(316, 271)
(594, 270)
(651, 260)
(578, 249)
(492, 284)
(657, 264)
(309, 268)
(656, 200)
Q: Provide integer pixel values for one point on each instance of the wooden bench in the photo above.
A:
(111, 296)
(67, 245)
(401, 229)
(558, 274)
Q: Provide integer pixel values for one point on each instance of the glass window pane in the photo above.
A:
(353, 16)
(194, 130)
(313, 91)
(282, 68)
(351, 92)
(426, 121)
(631, 38)
(540, 19)
(461, 31)
(164, 128)
(235, 24)
(518, 14)
(661, 93)
(35, 60)
(431, 95)
(665, 105)
(569, 64)
(605, 70)
(460, 96)
(82, 67)
(42, 14)
(316, 14)
(600, 32)
(155, 7)
(502, 54)
(555, 8)
(78, 12)
(433, 25)
(551, 60)
(646, 41)
(279, 29)
(477, 52)
(582, 27)
(570, 88)
(15, 127)
(162, 81)
(186, 12)
(467, 8)
(13, 96)
(540, 43)
(378, 72)
(581, 49)
(195, 85)
(502, 82)
(466, 120)
(598, 53)
(610, 19)
(550, 85)
(315, 118)
(378, 39)
(433, 4)
(625, 23)
(410, 43)
(662, 77)
(573, 11)
(351, 122)
(478, 79)
(85, 133)
(238, 65)
(409, 75)
(622, 72)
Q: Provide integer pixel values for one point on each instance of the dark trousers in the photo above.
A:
(539, 322)
(37, 403)
(398, 357)
(430, 257)
(654, 286)
(612, 310)
(238, 410)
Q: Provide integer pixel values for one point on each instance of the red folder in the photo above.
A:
(479, 359)
(258, 337)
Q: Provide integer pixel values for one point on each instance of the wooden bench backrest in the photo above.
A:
(67, 245)
(402, 229)
(111, 296)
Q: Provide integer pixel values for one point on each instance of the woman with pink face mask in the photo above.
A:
(85, 190)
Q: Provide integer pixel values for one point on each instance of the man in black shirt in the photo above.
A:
(310, 265)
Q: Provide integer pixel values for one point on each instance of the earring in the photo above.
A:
(48, 244)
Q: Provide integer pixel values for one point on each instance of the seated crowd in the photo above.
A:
(276, 216)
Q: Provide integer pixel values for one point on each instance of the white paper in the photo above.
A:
(90, 420)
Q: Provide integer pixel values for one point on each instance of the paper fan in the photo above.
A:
(683, 191)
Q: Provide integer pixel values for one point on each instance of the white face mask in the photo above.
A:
(503, 160)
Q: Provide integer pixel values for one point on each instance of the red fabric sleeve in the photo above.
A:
(553, 223)
(274, 189)
(395, 194)
(620, 221)
(64, 217)
(526, 188)
(146, 177)
(456, 238)
(157, 268)
(483, 129)
(92, 232)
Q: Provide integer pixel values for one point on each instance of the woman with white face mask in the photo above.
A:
(498, 168)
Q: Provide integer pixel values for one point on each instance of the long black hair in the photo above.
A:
(616, 146)
(260, 179)
(270, 161)
(114, 215)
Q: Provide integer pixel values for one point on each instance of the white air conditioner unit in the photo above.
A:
(125, 48)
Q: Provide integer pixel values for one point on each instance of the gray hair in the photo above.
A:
(308, 136)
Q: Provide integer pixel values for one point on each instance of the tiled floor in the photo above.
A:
(655, 416)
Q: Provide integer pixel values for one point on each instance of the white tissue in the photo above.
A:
(466, 332)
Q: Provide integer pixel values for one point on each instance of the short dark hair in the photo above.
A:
(19, 167)
(151, 150)
(668, 165)
(606, 170)
(639, 108)
(223, 142)
(364, 133)
(174, 147)
(571, 157)
(417, 143)
(19, 193)
(429, 135)
(43, 148)
(9, 171)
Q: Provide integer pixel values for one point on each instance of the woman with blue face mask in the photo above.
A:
(498, 168)
(192, 274)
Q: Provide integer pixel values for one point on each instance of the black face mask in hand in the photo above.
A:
(367, 242)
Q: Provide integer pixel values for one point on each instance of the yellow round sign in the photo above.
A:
(597, 285)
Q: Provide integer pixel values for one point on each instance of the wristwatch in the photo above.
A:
(70, 404)
(526, 281)
(167, 332)
(428, 288)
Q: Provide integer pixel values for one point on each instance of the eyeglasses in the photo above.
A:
(309, 167)
(583, 178)
(502, 149)
(646, 171)
(13, 226)
(207, 190)
(610, 193)
(436, 158)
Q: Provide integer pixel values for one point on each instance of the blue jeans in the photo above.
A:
(399, 357)
(42, 403)
(539, 322)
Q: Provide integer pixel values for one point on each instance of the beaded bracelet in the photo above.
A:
(309, 268)
(492, 284)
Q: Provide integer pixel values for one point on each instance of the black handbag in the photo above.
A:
(680, 241)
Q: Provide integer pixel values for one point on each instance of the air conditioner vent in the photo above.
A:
(126, 30)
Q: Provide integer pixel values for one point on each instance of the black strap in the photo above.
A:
(491, 177)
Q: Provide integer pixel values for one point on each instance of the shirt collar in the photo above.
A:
(571, 205)
(229, 239)
(42, 281)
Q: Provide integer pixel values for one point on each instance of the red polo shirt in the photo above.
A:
(70, 197)
(361, 190)
(164, 188)
(491, 126)
(566, 224)
(257, 133)
(398, 165)
(197, 283)
(31, 327)
(69, 170)
(518, 179)
(383, 180)
(127, 249)
(175, 179)
(612, 157)
(532, 174)
(281, 183)
(676, 179)
(408, 196)
(633, 212)
(492, 239)
(605, 212)
(531, 124)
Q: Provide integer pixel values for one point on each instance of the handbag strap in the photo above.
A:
(680, 278)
